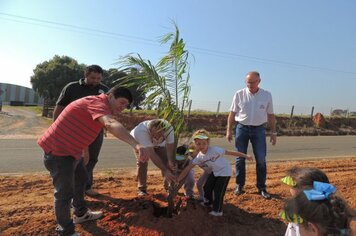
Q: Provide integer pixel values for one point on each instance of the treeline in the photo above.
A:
(51, 76)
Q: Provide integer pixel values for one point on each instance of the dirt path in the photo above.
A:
(21, 122)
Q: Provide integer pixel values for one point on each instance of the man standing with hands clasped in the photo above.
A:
(252, 107)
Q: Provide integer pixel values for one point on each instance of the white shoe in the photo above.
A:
(142, 193)
(91, 192)
(89, 215)
(215, 213)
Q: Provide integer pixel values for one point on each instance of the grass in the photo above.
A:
(38, 110)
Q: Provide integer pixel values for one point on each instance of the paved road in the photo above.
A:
(23, 155)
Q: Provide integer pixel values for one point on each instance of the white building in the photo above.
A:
(11, 94)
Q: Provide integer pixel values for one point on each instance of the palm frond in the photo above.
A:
(166, 84)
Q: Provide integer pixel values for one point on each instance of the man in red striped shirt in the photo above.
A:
(63, 144)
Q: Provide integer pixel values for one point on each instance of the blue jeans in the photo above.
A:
(94, 150)
(257, 136)
(69, 178)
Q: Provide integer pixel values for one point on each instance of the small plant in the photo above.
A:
(166, 86)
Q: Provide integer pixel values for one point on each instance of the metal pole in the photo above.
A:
(291, 113)
(217, 111)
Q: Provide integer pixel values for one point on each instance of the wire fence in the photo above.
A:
(287, 110)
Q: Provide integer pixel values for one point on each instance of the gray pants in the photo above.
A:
(189, 184)
(69, 178)
(142, 169)
(201, 181)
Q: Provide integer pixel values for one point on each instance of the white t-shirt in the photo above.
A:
(252, 109)
(292, 230)
(142, 135)
(214, 159)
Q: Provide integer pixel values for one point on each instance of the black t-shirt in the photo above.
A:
(79, 89)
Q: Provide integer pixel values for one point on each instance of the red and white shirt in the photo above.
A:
(76, 127)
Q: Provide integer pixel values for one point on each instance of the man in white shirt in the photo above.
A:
(252, 107)
(158, 137)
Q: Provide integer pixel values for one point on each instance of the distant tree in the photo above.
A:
(114, 77)
(111, 76)
(51, 76)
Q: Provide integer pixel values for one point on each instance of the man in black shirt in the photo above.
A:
(90, 85)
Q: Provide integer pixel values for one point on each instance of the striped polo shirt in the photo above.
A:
(76, 127)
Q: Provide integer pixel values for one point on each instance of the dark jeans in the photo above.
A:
(69, 177)
(257, 136)
(214, 190)
(94, 150)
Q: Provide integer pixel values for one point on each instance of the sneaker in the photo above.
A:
(89, 215)
(239, 190)
(215, 213)
(59, 231)
(142, 193)
(91, 192)
(205, 204)
(265, 194)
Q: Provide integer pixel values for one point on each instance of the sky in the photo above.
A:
(304, 50)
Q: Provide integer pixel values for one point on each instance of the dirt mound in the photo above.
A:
(319, 120)
(26, 204)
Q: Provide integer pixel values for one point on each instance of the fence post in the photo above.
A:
(312, 112)
(291, 113)
(217, 111)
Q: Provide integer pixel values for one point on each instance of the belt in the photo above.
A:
(251, 126)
